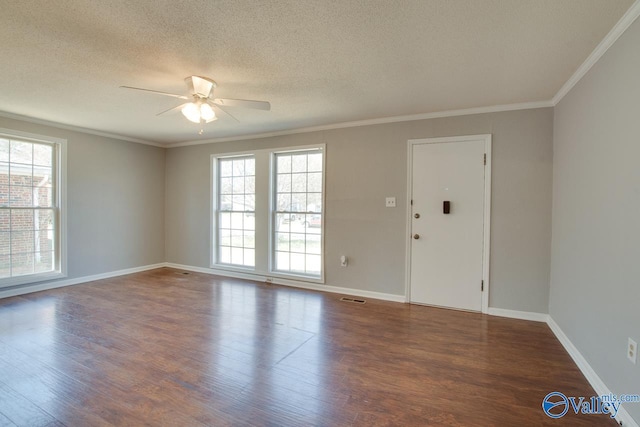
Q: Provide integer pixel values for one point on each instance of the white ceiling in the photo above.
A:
(317, 62)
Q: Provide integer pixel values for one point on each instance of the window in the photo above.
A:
(236, 211)
(267, 213)
(30, 214)
(298, 212)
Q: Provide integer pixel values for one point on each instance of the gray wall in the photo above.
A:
(595, 285)
(366, 164)
(115, 201)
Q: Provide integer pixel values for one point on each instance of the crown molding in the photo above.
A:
(621, 26)
(77, 129)
(383, 120)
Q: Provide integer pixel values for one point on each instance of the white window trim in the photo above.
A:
(268, 272)
(272, 211)
(61, 194)
(213, 231)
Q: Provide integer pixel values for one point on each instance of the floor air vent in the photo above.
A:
(357, 301)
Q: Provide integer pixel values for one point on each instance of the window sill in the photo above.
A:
(266, 275)
(31, 279)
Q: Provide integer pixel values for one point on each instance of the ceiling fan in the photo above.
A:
(203, 107)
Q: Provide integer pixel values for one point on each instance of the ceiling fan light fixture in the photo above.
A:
(207, 113)
(192, 112)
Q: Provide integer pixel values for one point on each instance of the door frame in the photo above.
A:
(486, 251)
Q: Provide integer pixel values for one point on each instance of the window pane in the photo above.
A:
(225, 255)
(237, 256)
(238, 185)
(22, 219)
(5, 266)
(225, 220)
(313, 264)
(314, 202)
(250, 166)
(43, 262)
(44, 240)
(21, 196)
(284, 202)
(297, 262)
(22, 242)
(282, 241)
(236, 220)
(5, 243)
(314, 162)
(225, 237)
(297, 242)
(236, 229)
(226, 202)
(42, 154)
(226, 185)
(42, 176)
(298, 235)
(249, 257)
(21, 264)
(249, 221)
(283, 222)
(299, 202)
(284, 182)
(43, 197)
(313, 244)
(282, 261)
(249, 240)
(238, 202)
(299, 163)
(284, 164)
(27, 235)
(21, 152)
(43, 219)
(4, 174)
(5, 217)
(4, 150)
(314, 182)
(225, 168)
(236, 238)
(4, 195)
(299, 182)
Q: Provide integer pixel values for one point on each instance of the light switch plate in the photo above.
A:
(390, 202)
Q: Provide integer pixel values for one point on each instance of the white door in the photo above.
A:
(447, 248)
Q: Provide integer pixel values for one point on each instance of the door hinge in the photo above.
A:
(482, 286)
(485, 158)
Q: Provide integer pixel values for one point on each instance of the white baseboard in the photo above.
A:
(515, 314)
(292, 283)
(596, 382)
(75, 281)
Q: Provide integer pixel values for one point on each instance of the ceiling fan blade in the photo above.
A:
(219, 109)
(200, 86)
(246, 103)
(156, 92)
(172, 109)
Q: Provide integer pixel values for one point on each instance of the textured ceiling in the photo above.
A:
(317, 62)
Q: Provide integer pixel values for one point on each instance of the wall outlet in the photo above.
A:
(344, 261)
(390, 202)
(632, 351)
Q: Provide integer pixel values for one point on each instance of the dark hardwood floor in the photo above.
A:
(165, 348)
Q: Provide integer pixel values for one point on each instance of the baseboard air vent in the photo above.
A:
(357, 301)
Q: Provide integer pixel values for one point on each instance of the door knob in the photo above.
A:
(416, 236)
(416, 215)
